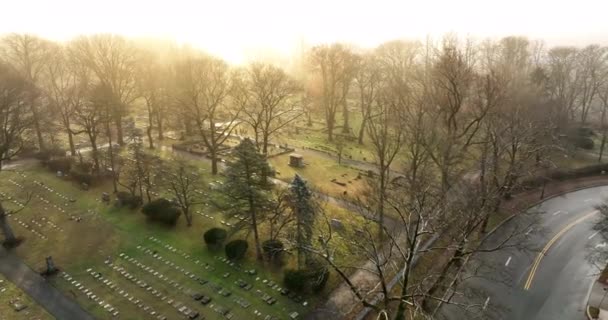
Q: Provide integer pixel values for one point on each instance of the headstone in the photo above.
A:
(59, 174)
(105, 197)
(337, 224)
(84, 186)
(296, 160)
(50, 266)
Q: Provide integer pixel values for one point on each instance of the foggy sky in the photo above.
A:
(234, 29)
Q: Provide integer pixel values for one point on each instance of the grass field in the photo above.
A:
(88, 238)
(82, 235)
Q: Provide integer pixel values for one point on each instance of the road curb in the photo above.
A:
(536, 203)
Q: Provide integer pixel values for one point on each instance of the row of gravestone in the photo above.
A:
(271, 285)
(91, 295)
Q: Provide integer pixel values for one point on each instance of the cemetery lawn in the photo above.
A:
(11, 296)
(100, 247)
(86, 235)
(319, 172)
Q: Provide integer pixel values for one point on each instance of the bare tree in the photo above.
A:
(592, 65)
(367, 80)
(65, 88)
(333, 67)
(152, 84)
(205, 88)
(15, 115)
(28, 54)
(269, 101)
(113, 60)
(564, 81)
(451, 80)
(183, 185)
(90, 119)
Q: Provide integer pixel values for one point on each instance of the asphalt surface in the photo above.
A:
(554, 242)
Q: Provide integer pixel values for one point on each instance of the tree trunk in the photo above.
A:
(442, 275)
(265, 144)
(159, 121)
(362, 130)
(150, 139)
(71, 141)
(36, 120)
(188, 216)
(330, 131)
(111, 152)
(119, 138)
(212, 153)
(9, 236)
(346, 125)
(254, 224)
(95, 153)
(602, 146)
(188, 126)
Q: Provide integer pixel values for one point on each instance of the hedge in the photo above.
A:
(236, 249)
(126, 199)
(215, 237)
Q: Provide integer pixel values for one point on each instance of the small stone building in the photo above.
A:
(296, 160)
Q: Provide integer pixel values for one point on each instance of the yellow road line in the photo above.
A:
(541, 255)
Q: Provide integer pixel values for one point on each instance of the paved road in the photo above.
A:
(523, 283)
(58, 305)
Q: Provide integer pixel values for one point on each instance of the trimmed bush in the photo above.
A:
(63, 164)
(215, 237)
(162, 210)
(82, 177)
(273, 249)
(126, 199)
(295, 280)
(236, 249)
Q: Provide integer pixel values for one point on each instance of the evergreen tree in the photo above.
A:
(304, 208)
(247, 184)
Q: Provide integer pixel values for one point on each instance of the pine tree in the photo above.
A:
(247, 184)
(304, 208)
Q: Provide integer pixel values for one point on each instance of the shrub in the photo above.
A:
(82, 177)
(126, 199)
(584, 143)
(215, 237)
(236, 249)
(295, 280)
(162, 210)
(48, 154)
(273, 249)
(63, 164)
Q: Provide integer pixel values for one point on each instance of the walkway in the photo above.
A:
(60, 306)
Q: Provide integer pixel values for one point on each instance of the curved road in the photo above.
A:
(546, 273)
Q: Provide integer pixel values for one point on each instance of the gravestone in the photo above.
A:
(296, 160)
(84, 186)
(105, 197)
(337, 224)
(50, 267)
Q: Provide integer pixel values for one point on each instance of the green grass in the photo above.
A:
(319, 171)
(93, 232)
